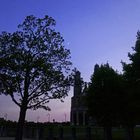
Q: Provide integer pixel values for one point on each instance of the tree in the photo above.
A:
(104, 97)
(132, 86)
(34, 66)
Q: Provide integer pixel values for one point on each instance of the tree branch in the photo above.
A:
(37, 104)
(35, 95)
(14, 100)
(37, 87)
(20, 89)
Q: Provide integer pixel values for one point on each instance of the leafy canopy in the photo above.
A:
(34, 64)
(104, 93)
(132, 83)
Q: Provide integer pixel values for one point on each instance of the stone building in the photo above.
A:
(78, 107)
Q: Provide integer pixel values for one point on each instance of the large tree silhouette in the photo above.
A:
(132, 88)
(34, 66)
(104, 97)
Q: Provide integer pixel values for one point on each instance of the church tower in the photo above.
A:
(78, 108)
(77, 84)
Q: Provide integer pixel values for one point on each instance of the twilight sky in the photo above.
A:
(96, 31)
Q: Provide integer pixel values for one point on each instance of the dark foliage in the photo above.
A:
(105, 95)
(34, 64)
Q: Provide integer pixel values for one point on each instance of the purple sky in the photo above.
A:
(96, 31)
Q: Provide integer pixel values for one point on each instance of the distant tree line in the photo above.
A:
(113, 98)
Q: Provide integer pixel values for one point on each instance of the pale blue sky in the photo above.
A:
(96, 31)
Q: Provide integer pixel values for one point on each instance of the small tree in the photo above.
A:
(34, 66)
(104, 97)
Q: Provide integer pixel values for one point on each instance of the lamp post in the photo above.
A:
(38, 117)
(65, 115)
(5, 116)
(37, 129)
(49, 116)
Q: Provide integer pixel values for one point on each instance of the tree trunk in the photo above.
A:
(108, 133)
(20, 124)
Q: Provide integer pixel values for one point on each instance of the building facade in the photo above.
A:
(78, 106)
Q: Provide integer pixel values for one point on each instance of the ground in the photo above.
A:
(9, 138)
